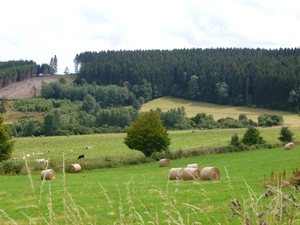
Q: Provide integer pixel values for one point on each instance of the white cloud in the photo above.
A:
(38, 30)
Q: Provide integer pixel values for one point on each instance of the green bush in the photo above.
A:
(235, 140)
(286, 135)
(8, 167)
(268, 120)
(252, 137)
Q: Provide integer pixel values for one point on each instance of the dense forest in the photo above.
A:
(231, 76)
(111, 86)
(19, 70)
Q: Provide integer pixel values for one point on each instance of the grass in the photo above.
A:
(192, 108)
(142, 194)
(111, 195)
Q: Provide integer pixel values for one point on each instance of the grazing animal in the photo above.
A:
(81, 157)
(87, 147)
(40, 160)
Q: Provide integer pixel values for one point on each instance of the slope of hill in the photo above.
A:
(24, 89)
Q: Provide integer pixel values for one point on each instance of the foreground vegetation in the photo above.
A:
(115, 184)
(141, 194)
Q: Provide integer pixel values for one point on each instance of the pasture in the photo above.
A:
(139, 194)
(115, 193)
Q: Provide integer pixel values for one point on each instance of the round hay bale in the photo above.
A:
(289, 146)
(74, 168)
(210, 173)
(193, 165)
(190, 173)
(164, 162)
(175, 173)
(48, 174)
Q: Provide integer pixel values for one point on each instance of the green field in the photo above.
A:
(142, 194)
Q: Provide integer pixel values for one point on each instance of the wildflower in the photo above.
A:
(232, 215)
(262, 213)
(263, 222)
(265, 195)
(247, 222)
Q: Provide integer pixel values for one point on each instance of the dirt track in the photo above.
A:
(24, 89)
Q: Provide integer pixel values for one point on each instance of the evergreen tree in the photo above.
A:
(55, 64)
(52, 68)
(147, 134)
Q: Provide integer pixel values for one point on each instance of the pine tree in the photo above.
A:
(52, 70)
(55, 64)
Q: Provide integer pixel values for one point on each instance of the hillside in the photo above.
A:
(24, 89)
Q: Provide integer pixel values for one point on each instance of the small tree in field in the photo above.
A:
(286, 135)
(147, 134)
(252, 137)
(6, 145)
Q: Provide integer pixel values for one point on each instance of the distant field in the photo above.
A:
(142, 194)
(218, 111)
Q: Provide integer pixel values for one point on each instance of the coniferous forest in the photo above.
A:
(231, 76)
(109, 80)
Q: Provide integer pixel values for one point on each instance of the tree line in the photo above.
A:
(229, 76)
(90, 108)
(19, 70)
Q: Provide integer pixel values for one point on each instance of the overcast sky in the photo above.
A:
(39, 29)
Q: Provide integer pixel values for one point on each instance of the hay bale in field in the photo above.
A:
(48, 174)
(164, 162)
(190, 173)
(210, 173)
(289, 146)
(193, 165)
(74, 168)
(175, 173)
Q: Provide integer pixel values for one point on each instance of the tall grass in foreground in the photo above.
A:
(279, 204)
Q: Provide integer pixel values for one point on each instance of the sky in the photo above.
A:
(38, 30)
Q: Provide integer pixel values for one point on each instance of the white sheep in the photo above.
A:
(40, 160)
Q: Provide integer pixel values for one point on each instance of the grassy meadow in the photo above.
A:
(142, 194)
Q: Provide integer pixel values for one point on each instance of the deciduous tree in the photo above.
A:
(6, 144)
(147, 134)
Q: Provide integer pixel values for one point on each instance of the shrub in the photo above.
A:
(252, 137)
(8, 167)
(286, 135)
(235, 140)
(268, 120)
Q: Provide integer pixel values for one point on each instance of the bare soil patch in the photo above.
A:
(25, 89)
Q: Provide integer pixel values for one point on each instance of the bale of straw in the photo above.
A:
(289, 146)
(48, 174)
(175, 173)
(193, 165)
(164, 162)
(74, 168)
(210, 173)
(190, 173)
